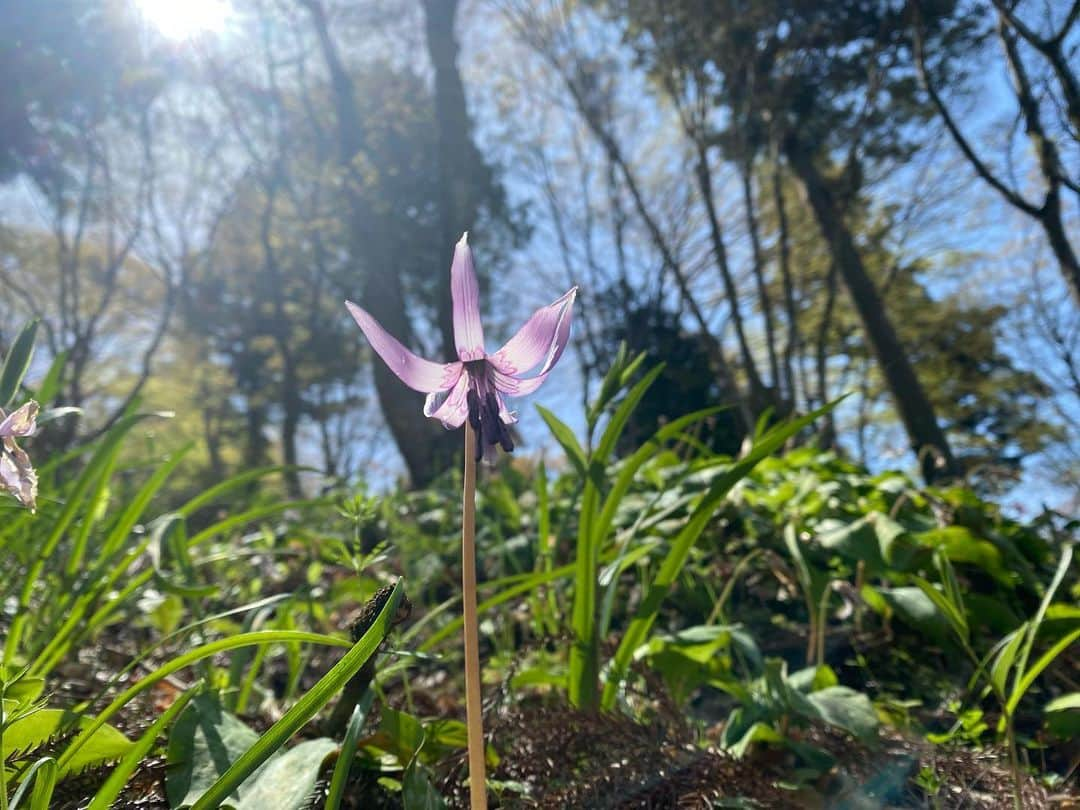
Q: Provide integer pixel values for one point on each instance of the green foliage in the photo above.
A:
(686, 564)
(770, 703)
(207, 740)
(318, 696)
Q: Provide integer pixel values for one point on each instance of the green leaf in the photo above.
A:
(43, 775)
(917, 610)
(286, 781)
(1063, 716)
(1021, 674)
(960, 545)
(758, 732)
(17, 363)
(49, 387)
(566, 438)
(204, 743)
(417, 791)
(847, 709)
(348, 751)
(952, 613)
(857, 540)
(1064, 703)
(207, 741)
(1036, 669)
(404, 734)
(24, 689)
(103, 744)
(606, 446)
(1003, 662)
(187, 659)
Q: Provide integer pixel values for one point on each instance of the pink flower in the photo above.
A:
(17, 475)
(473, 387)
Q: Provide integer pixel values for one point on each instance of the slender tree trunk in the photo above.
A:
(703, 173)
(917, 414)
(255, 444)
(426, 448)
(758, 262)
(747, 406)
(793, 342)
(212, 438)
(827, 437)
(458, 161)
(292, 407)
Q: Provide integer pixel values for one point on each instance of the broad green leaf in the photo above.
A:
(417, 791)
(960, 545)
(847, 709)
(401, 734)
(1069, 702)
(758, 732)
(286, 781)
(102, 744)
(917, 610)
(856, 540)
(205, 741)
(1062, 716)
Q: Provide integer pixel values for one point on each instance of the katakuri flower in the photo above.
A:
(473, 387)
(17, 475)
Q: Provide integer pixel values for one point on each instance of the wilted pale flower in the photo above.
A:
(17, 475)
(473, 387)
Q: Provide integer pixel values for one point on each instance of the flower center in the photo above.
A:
(485, 420)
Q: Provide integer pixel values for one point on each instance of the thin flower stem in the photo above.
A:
(474, 719)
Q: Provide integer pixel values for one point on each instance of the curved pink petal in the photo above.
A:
(20, 422)
(515, 386)
(465, 293)
(17, 475)
(417, 373)
(542, 338)
(453, 409)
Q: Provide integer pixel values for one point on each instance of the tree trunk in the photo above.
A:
(827, 435)
(425, 446)
(917, 414)
(458, 161)
(764, 299)
(793, 343)
(703, 173)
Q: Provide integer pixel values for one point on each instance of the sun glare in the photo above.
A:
(184, 19)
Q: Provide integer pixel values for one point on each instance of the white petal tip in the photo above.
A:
(464, 240)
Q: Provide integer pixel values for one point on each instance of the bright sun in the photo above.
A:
(183, 19)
